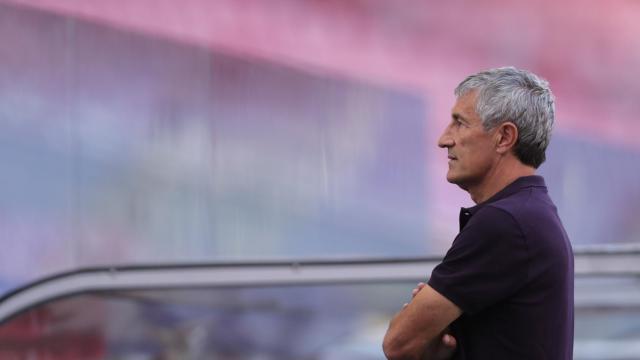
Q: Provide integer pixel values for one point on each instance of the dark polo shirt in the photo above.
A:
(510, 270)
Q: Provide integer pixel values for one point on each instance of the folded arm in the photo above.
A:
(416, 331)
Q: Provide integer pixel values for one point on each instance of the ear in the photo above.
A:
(506, 137)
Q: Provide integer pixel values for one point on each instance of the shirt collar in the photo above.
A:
(519, 184)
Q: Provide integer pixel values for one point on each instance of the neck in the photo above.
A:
(498, 178)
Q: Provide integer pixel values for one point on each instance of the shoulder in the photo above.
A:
(490, 249)
(532, 211)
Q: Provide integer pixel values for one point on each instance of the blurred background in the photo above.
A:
(162, 132)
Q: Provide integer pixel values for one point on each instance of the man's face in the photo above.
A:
(471, 149)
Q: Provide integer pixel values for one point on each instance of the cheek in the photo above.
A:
(476, 152)
(482, 156)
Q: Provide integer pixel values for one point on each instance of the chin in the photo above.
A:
(457, 181)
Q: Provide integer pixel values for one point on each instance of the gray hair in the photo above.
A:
(521, 97)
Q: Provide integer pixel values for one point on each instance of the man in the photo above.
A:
(504, 290)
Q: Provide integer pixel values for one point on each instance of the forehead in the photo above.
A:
(465, 106)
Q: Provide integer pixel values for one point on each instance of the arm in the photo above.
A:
(418, 328)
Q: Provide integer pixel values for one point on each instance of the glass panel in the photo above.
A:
(291, 322)
(607, 318)
(287, 322)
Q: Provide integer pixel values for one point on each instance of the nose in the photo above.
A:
(445, 140)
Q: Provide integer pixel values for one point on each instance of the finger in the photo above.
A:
(417, 289)
(449, 341)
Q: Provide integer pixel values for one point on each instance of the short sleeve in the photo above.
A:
(486, 263)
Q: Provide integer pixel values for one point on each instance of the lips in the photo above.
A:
(451, 157)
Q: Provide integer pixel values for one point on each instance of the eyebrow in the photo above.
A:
(459, 117)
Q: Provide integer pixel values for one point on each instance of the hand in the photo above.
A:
(441, 349)
(415, 292)
(417, 289)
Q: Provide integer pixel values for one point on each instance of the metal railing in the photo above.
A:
(601, 260)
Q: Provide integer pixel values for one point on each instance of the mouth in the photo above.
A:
(451, 157)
